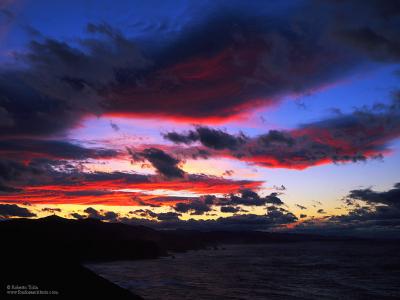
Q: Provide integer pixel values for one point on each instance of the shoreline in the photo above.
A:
(65, 281)
(50, 253)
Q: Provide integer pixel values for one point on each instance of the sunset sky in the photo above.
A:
(264, 115)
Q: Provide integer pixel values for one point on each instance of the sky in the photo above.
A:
(269, 115)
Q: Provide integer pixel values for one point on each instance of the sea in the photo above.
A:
(303, 270)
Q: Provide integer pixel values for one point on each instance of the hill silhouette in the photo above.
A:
(49, 252)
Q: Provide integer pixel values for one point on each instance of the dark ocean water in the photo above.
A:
(329, 270)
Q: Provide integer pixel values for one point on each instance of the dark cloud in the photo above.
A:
(216, 67)
(206, 203)
(302, 216)
(168, 216)
(211, 138)
(51, 209)
(78, 178)
(33, 148)
(144, 203)
(280, 188)
(16, 175)
(58, 182)
(366, 133)
(382, 222)
(236, 222)
(273, 199)
(301, 206)
(110, 215)
(374, 29)
(114, 126)
(321, 211)
(77, 216)
(208, 199)
(229, 64)
(246, 197)
(224, 64)
(144, 213)
(242, 57)
(13, 210)
(368, 216)
(251, 198)
(165, 164)
(8, 189)
(101, 215)
(281, 216)
(92, 213)
(195, 207)
(229, 209)
(60, 84)
(11, 170)
(275, 137)
(390, 197)
(14, 172)
(28, 112)
(371, 214)
(228, 173)
(178, 138)
(6, 16)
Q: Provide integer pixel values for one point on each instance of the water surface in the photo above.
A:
(329, 270)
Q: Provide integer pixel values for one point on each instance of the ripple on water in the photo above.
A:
(273, 271)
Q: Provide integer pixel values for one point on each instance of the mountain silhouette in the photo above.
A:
(49, 252)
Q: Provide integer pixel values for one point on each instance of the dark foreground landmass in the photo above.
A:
(45, 255)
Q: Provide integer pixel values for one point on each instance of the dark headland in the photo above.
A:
(49, 252)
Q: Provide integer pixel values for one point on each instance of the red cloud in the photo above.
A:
(218, 87)
(29, 149)
(345, 138)
(89, 192)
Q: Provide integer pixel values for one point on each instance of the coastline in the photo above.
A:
(49, 253)
(57, 280)
(329, 270)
